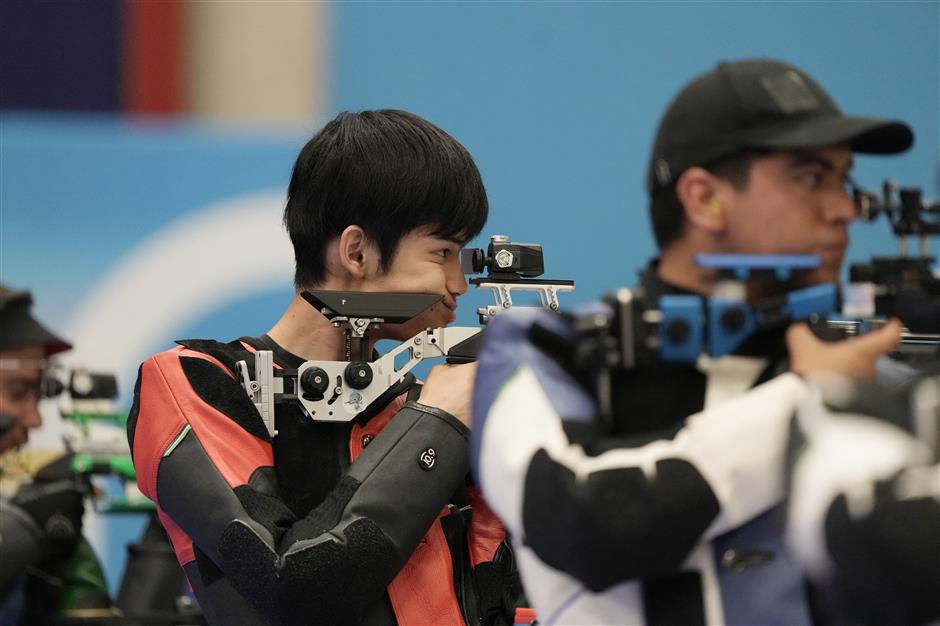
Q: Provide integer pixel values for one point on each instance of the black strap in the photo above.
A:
(406, 384)
(283, 357)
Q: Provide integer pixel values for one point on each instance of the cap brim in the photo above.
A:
(861, 134)
(25, 331)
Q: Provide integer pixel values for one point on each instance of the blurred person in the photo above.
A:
(46, 568)
(672, 514)
(863, 514)
(336, 522)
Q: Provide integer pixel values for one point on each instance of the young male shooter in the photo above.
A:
(336, 523)
(673, 516)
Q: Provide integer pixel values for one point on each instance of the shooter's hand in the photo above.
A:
(450, 388)
(854, 358)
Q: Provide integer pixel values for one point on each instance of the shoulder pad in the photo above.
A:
(228, 354)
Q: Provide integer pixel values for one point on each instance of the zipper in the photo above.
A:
(455, 527)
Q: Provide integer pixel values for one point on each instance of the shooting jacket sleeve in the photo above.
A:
(864, 509)
(20, 542)
(208, 470)
(632, 512)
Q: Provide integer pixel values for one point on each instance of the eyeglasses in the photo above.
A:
(48, 385)
(13, 365)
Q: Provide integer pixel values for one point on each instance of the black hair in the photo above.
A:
(390, 172)
(666, 211)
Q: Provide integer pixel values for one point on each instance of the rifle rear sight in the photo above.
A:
(504, 259)
(906, 286)
(910, 215)
(508, 266)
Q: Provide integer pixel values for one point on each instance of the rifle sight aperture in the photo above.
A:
(81, 385)
(906, 285)
(910, 214)
(504, 259)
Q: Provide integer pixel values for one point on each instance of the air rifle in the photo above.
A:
(633, 331)
(337, 391)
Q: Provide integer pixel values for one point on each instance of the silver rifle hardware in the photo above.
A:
(338, 391)
(327, 390)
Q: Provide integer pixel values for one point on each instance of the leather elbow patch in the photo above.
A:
(617, 524)
(335, 579)
(251, 565)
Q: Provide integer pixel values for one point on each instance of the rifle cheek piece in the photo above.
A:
(337, 391)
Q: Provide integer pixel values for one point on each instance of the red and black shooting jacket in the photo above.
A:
(326, 523)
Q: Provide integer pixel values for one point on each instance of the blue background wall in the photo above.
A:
(79, 192)
(558, 103)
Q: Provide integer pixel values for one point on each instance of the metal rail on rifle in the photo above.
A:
(337, 391)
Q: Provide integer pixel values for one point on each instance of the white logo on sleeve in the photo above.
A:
(427, 458)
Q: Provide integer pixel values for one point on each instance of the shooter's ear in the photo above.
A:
(356, 252)
(700, 193)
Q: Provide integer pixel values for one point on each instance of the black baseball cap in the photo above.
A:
(759, 104)
(19, 328)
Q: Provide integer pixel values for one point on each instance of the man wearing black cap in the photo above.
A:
(41, 524)
(672, 514)
(24, 346)
(754, 157)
